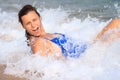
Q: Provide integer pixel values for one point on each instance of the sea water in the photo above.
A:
(82, 20)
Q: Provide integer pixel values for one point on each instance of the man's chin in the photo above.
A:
(36, 35)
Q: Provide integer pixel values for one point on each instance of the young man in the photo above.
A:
(52, 44)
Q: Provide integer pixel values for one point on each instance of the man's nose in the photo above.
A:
(33, 25)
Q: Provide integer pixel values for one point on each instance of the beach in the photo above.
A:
(7, 77)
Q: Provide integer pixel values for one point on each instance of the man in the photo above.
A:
(53, 44)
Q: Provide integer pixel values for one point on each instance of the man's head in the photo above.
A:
(25, 10)
(31, 21)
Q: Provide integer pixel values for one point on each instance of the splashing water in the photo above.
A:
(98, 62)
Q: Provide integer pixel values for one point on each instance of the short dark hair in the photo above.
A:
(25, 10)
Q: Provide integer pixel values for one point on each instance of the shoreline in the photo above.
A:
(7, 77)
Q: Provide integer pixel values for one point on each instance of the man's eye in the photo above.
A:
(34, 19)
(28, 23)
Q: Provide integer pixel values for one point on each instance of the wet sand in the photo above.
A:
(7, 77)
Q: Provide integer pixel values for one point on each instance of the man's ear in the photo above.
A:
(23, 26)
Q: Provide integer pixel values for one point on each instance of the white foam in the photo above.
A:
(92, 65)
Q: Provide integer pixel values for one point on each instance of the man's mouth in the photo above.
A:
(35, 30)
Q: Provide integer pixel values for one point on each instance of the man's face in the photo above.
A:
(32, 23)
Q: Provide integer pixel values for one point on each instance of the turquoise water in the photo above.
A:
(104, 9)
